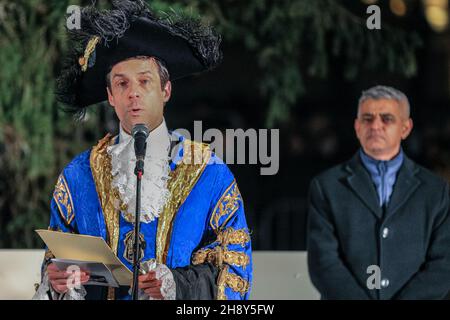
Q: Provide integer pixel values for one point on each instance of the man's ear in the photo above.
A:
(167, 91)
(407, 128)
(110, 98)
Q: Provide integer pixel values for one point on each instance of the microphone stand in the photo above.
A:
(138, 171)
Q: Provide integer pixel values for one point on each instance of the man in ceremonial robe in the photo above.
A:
(195, 243)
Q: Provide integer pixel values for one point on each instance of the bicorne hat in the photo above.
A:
(130, 29)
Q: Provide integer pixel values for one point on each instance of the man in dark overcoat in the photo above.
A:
(379, 225)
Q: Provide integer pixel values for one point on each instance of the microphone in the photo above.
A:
(140, 134)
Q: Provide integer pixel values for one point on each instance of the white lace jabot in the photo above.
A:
(154, 192)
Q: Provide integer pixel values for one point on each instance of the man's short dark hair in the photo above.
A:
(162, 70)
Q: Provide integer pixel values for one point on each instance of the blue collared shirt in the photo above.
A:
(383, 173)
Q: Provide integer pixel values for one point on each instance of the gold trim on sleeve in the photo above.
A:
(219, 255)
(227, 205)
(231, 236)
(231, 280)
(63, 200)
(182, 180)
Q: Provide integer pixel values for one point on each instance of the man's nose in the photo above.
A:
(377, 123)
(134, 92)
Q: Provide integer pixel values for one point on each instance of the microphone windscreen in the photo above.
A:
(140, 129)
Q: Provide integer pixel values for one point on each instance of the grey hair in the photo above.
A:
(385, 92)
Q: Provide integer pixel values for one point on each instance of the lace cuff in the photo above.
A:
(46, 292)
(168, 286)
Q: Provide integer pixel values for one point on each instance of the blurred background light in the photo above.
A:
(436, 13)
(398, 7)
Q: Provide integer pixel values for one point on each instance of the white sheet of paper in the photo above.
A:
(100, 275)
(86, 248)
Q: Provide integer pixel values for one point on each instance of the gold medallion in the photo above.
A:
(129, 246)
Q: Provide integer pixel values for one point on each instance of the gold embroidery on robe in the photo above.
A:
(63, 200)
(226, 207)
(100, 162)
(231, 280)
(181, 182)
(231, 236)
(220, 255)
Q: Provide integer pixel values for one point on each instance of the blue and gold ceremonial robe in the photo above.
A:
(202, 226)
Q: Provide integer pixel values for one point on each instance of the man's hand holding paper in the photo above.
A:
(59, 279)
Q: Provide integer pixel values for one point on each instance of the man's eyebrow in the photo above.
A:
(119, 75)
(146, 72)
(381, 114)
